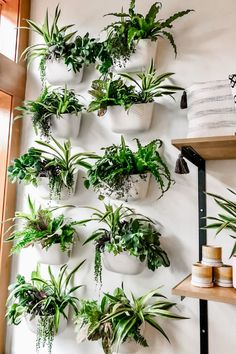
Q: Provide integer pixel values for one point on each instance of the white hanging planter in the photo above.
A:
(53, 255)
(58, 73)
(66, 126)
(136, 120)
(32, 322)
(44, 192)
(141, 59)
(123, 263)
(137, 188)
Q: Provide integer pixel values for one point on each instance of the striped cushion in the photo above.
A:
(211, 109)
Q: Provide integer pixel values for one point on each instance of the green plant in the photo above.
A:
(115, 92)
(40, 226)
(57, 44)
(127, 231)
(112, 172)
(117, 319)
(46, 298)
(55, 162)
(224, 221)
(50, 102)
(131, 27)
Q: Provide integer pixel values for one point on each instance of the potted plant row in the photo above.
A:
(130, 107)
(226, 221)
(52, 235)
(132, 39)
(127, 243)
(54, 112)
(43, 303)
(119, 323)
(124, 174)
(51, 168)
(130, 42)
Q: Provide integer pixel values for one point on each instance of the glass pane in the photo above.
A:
(5, 122)
(8, 25)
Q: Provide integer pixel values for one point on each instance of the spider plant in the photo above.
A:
(126, 231)
(59, 44)
(144, 88)
(226, 221)
(50, 102)
(124, 34)
(53, 161)
(42, 227)
(117, 319)
(111, 172)
(45, 299)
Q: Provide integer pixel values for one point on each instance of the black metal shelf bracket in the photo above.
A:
(189, 153)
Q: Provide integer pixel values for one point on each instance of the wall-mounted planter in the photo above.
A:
(137, 188)
(137, 119)
(234, 271)
(53, 255)
(58, 73)
(67, 126)
(44, 192)
(32, 323)
(141, 59)
(123, 263)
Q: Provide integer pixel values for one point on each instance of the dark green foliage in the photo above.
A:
(55, 163)
(117, 319)
(40, 226)
(127, 231)
(116, 92)
(224, 221)
(50, 102)
(48, 299)
(126, 32)
(58, 44)
(26, 168)
(111, 172)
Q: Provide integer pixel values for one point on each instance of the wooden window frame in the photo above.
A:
(12, 82)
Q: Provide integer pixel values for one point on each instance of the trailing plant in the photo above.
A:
(112, 172)
(226, 221)
(48, 299)
(59, 44)
(145, 88)
(50, 102)
(40, 226)
(55, 162)
(124, 34)
(117, 319)
(126, 231)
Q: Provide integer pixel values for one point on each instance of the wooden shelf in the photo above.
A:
(219, 294)
(210, 148)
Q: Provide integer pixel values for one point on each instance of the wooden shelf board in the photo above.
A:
(219, 294)
(210, 148)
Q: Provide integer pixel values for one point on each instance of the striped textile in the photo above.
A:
(211, 109)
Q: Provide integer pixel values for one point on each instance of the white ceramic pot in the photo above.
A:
(59, 74)
(53, 255)
(141, 59)
(123, 263)
(67, 126)
(136, 120)
(32, 323)
(138, 188)
(43, 189)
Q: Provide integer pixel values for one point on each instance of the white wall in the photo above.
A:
(206, 47)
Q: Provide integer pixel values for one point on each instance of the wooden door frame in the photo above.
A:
(13, 82)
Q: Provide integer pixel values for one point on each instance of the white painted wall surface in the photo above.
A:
(206, 51)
